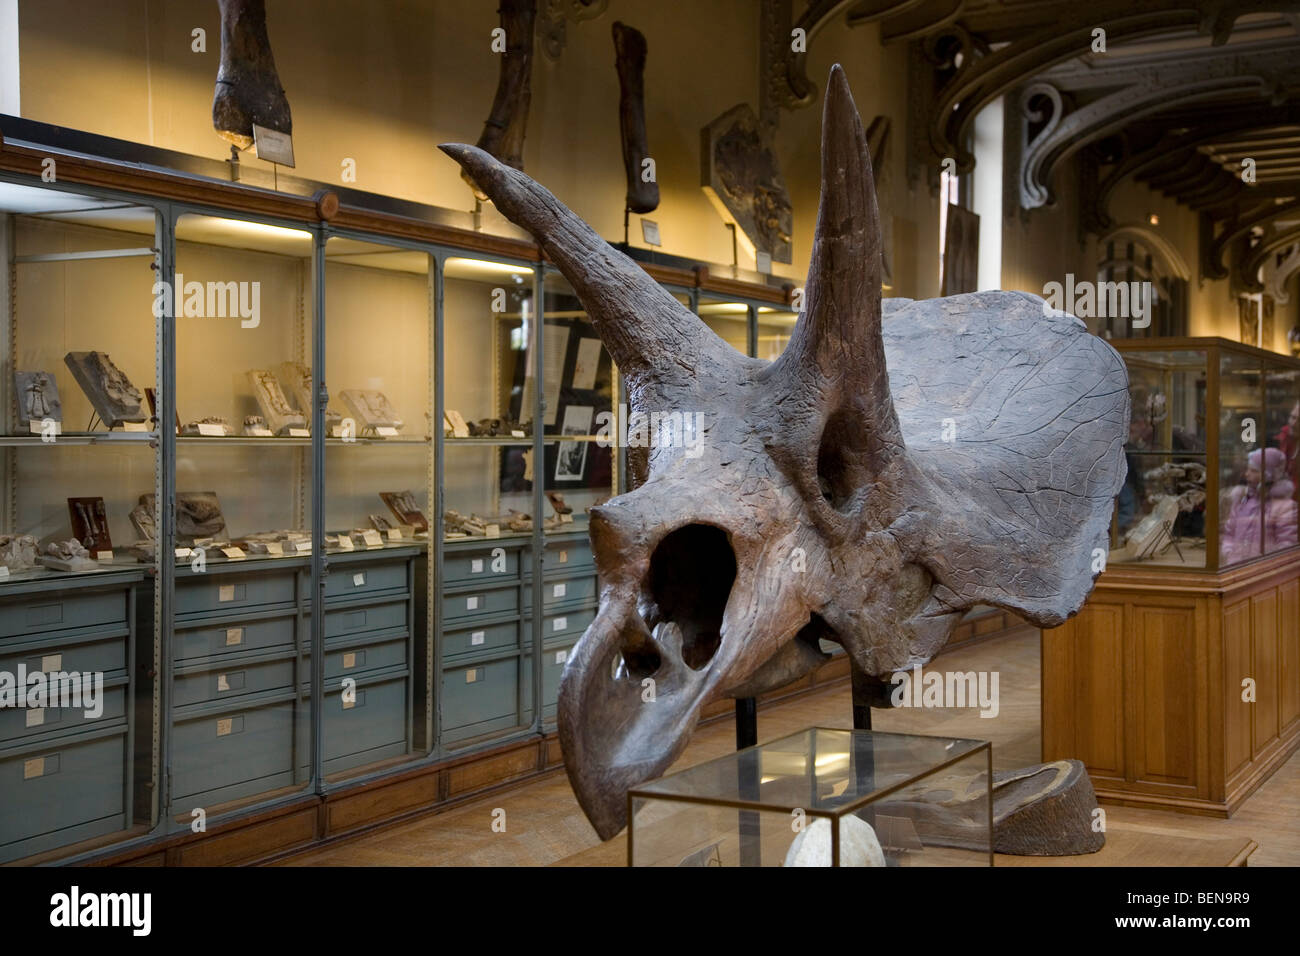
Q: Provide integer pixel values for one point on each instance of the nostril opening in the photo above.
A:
(640, 656)
(834, 472)
(691, 574)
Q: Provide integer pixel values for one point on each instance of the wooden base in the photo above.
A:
(1150, 684)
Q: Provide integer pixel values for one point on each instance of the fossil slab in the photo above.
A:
(370, 408)
(37, 397)
(279, 414)
(111, 393)
(741, 175)
(899, 463)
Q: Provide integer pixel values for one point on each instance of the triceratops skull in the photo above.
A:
(834, 494)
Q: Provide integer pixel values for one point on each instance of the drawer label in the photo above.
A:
(477, 637)
(33, 767)
(561, 656)
(560, 590)
(52, 662)
(559, 624)
(229, 725)
(472, 675)
(349, 660)
(355, 699)
(358, 579)
(476, 566)
(563, 557)
(471, 604)
(226, 592)
(234, 636)
(35, 716)
(223, 682)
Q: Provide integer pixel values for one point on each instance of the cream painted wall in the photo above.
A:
(383, 82)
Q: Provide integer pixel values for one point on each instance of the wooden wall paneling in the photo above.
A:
(1236, 665)
(1057, 703)
(1100, 680)
(1264, 669)
(1163, 735)
(1288, 625)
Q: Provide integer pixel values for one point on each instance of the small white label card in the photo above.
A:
(212, 430)
(4, 572)
(471, 675)
(272, 145)
(517, 433)
(223, 684)
(650, 232)
(493, 531)
(226, 592)
(299, 433)
(52, 662)
(258, 432)
(372, 539)
(234, 554)
(559, 624)
(225, 725)
(476, 566)
(40, 428)
(104, 557)
(33, 767)
(562, 557)
(476, 638)
(560, 590)
(394, 534)
(566, 519)
(35, 716)
(471, 603)
(561, 656)
(358, 579)
(234, 636)
(349, 660)
(385, 431)
(275, 548)
(135, 426)
(345, 543)
(183, 553)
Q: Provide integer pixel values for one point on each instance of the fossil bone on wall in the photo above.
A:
(899, 463)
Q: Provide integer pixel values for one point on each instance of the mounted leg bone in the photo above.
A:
(629, 61)
(503, 133)
(248, 88)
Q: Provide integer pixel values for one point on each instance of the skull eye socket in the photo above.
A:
(691, 574)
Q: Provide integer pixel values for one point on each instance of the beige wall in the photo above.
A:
(383, 82)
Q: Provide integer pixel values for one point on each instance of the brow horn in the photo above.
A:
(836, 356)
(642, 325)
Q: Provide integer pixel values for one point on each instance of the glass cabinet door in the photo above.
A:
(240, 696)
(378, 467)
(729, 319)
(78, 630)
(1245, 500)
(775, 326)
(1279, 461)
(1160, 514)
(487, 373)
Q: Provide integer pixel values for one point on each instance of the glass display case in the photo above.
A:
(1211, 452)
(77, 450)
(822, 797)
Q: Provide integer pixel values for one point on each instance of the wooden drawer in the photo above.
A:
(479, 698)
(232, 680)
(237, 638)
(489, 637)
(480, 564)
(63, 653)
(359, 578)
(59, 610)
(564, 590)
(484, 602)
(370, 727)
(231, 754)
(217, 593)
(58, 793)
(19, 722)
(358, 620)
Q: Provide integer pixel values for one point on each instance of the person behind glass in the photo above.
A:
(1288, 439)
(1267, 490)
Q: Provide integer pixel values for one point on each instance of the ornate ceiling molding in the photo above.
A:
(1278, 271)
(1169, 260)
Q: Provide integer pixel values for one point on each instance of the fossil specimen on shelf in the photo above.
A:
(279, 414)
(67, 555)
(213, 424)
(37, 397)
(405, 508)
(90, 524)
(370, 408)
(18, 551)
(111, 393)
(248, 87)
(898, 464)
(297, 379)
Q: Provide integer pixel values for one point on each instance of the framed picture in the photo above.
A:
(571, 456)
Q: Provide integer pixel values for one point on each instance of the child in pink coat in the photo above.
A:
(1267, 488)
